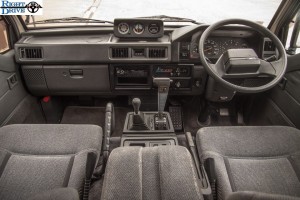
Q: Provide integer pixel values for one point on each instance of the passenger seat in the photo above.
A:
(35, 159)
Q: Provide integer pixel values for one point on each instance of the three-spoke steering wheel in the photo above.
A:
(275, 69)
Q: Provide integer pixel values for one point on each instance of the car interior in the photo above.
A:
(144, 108)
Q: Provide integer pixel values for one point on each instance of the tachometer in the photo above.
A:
(211, 48)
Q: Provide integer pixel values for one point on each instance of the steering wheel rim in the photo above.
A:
(279, 66)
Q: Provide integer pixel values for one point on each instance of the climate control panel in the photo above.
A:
(141, 76)
(172, 71)
(181, 75)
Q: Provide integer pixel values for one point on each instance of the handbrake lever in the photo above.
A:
(109, 128)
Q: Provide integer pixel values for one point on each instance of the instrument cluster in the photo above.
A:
(214, 47)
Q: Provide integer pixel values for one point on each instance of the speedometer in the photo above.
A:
(211, 48)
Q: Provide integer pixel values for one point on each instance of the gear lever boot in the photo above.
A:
(138, 120)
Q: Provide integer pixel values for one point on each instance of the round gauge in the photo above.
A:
(123, 28)
(153, 28)
(138, 28)
(211, 48)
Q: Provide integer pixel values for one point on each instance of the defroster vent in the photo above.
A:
(157, 52)
(119, 52)
(31, 53)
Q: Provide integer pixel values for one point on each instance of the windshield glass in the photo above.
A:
(202, 11)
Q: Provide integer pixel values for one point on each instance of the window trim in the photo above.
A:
(8, 35)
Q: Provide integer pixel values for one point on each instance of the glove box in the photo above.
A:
(77, 78)
(66, 79)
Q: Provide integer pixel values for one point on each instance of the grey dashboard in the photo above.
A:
(95, 61)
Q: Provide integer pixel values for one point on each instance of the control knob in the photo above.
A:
(178, 84)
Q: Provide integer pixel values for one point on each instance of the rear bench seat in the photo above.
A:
(35, 159)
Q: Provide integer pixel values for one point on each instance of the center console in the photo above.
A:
(137, 77)
(153, 128)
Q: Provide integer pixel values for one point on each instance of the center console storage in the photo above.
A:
(149, 141)
(131, 77)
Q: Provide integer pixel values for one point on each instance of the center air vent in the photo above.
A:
(119, 52)
(157, 52)
(31, 53)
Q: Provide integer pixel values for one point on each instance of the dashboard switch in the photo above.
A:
(178, 84)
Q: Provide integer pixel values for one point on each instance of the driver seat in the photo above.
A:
(251, 162)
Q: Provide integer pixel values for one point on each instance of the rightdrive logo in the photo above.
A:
(25, 7)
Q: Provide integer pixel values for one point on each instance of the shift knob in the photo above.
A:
(136, 102)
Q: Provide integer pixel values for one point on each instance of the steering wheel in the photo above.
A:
(275, 69)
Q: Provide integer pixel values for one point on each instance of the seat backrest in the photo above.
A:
(165, 172)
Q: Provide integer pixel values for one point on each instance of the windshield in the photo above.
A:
(202, 11)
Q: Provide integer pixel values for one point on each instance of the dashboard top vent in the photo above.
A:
(31, 53)
(157, 52)
(269, 46)
(120, 52)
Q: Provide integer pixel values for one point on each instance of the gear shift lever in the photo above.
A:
(163, 85)
(136, 102)
(137, 121)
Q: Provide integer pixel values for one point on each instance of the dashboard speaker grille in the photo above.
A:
(31, 53)
(34, 76)
(120, 52)
(157, 52)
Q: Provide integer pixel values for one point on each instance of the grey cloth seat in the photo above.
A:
(152, 173)
(265, 161)
(37, 158)
(57, 194)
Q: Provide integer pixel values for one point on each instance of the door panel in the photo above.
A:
(11, 94)
(283, 101)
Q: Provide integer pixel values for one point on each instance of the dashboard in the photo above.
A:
(98, 61)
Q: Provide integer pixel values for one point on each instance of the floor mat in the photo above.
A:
(94, 115)
(191, 111)
(84, 115)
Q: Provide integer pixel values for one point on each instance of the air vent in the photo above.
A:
(119, 52)
(269, 46)
(157, 52)
(31, 53)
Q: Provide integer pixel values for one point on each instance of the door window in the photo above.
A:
(4, 43)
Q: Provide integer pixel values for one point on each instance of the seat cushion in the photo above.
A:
(57, 194)
(37, 158)
(258, 159)
(258, 196)
(150, 173)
